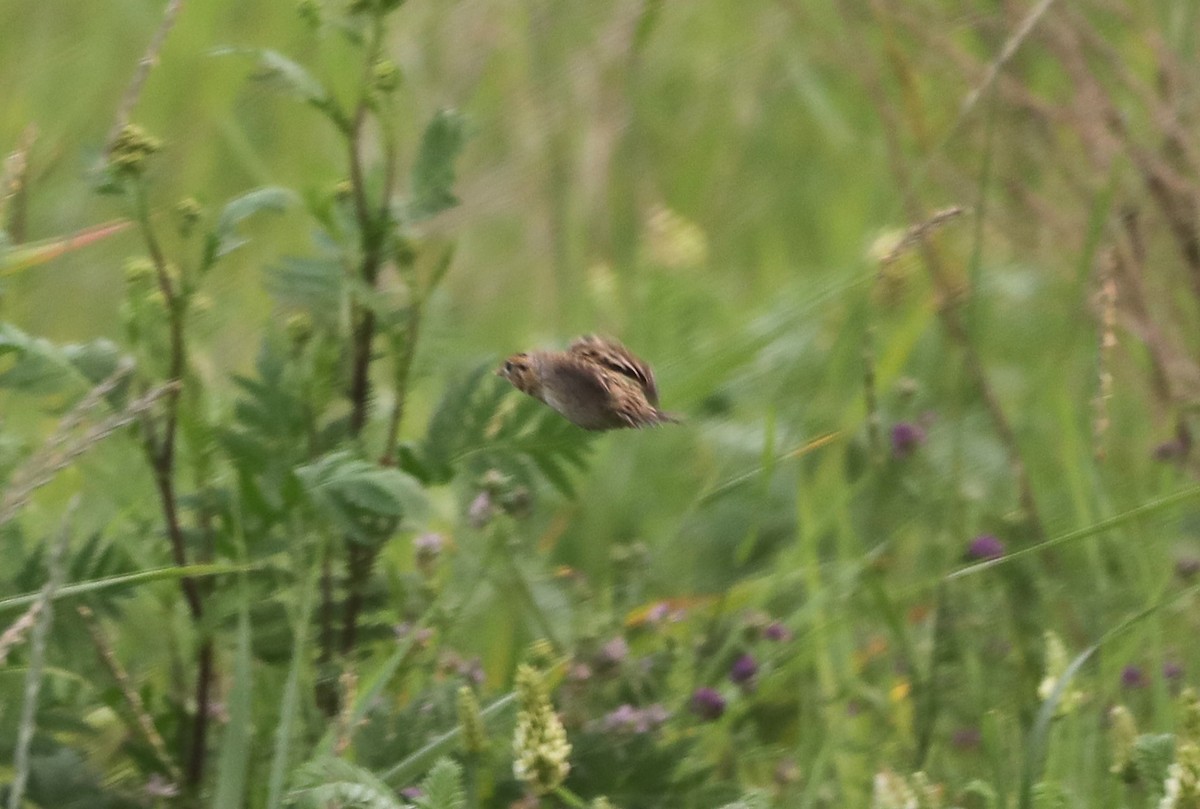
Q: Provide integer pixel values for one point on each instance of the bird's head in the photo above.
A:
(518, 369)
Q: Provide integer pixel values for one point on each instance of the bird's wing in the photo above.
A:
(616, 357)
(575, 374)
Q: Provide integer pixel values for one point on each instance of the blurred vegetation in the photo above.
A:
(924, 278)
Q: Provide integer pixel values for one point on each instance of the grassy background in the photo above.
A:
(706, 180)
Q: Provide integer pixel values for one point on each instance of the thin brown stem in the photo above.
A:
(198, 754)
(372, 226)
(142, 723)
(145, 65)
(403, 371)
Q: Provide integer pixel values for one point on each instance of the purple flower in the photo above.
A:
(481, 511)
(412, 793)
(906, 438)
(743, 669)
(628, 719)
(1133, 677)
(613, 653)
(428, 544)
(984, 547)
(707, 703)
(1172, 671)
(427, 548)
(776, 631)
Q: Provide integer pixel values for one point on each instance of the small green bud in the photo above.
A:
(130, 149)
(189, 212)
(342, 190)
(1122, 735)
(139, 272)
(470, 721)
(201, 303)
(541, 653)
(386, 75)
(299, 329)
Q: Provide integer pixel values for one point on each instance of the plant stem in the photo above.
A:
(160, 451)
(373, 228)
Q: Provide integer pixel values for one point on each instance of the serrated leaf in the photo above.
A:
(310, 283)
(334, 782)
(224, 239)
(433, 173)
(473, 430)
(361, 498)
(443, 787)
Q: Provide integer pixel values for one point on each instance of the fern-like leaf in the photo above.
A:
(443, 787)
(474, 430)
(329, 782)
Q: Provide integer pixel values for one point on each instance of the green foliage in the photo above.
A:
(433, 172)
(472, 430)
(360, 499)
(914, 446)
(1152, 754)
(334, 781)
(224, 238)
(443, 787)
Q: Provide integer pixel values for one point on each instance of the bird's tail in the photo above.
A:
(663, 417)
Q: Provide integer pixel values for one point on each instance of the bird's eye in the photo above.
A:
(508, 366)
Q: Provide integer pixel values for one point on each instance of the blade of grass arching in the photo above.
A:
(234, 761)
(1039, 734)
(410, 768)
(289, 705)
(1116, 521)
(21, 258)
(815, 778)
(124, 580)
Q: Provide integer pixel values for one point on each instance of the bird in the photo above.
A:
(596, 384)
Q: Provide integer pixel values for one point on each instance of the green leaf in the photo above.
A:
(326, 782)
(311, 283)
(297, 80)
(433, 173)
(234, 760)
(443, 786)
(224, 239)
(362, 499)
(1153, 754)
(35, 365)
(473, 431)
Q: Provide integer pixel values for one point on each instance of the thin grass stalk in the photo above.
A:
(56, 571)
(143, 723)
(147, 63)
(43, 467)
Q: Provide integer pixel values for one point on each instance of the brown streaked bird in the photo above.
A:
(597, 384)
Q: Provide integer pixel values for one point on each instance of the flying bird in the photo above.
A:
(597, 384)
